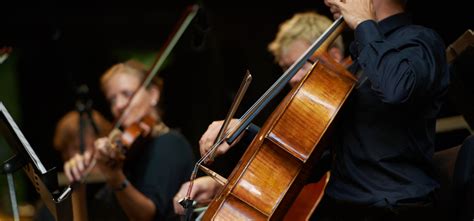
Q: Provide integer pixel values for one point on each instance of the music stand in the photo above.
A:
(44, 181)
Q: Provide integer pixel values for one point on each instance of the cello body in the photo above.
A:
(312, 193)
(272, 171)
(308, 199)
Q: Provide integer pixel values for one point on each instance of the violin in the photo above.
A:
(122, 139)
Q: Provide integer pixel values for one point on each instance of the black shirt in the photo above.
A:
(157, 169)
(165, 164)
(385, 143)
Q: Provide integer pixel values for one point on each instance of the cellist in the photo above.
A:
(385, 140)
(75, 133)
(142, 185)
(294, 36)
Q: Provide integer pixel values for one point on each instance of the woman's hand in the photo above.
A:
(78, 166)
(109, 159)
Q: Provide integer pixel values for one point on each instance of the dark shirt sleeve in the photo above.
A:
(399, 71)
(168, 163)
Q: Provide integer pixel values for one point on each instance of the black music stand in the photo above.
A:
(84, 108)
(44, 181)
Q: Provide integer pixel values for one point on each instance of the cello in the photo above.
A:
(272, 171)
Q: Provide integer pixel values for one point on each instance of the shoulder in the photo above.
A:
(425, 34)
(171, 142)
(172, 136)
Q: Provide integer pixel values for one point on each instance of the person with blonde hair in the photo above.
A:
(384, 141)
(143, 181)
(294, 36)
(303, 26)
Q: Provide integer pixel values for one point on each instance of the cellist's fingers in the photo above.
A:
(334, 7)
(178, 208)
(224, 147)
(208, 138)
(332, 3)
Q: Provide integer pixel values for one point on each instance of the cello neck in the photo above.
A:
(330, 36)
(319, 46)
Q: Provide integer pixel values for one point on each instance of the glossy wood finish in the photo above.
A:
(131, 133)
(272, 171)
(307, 200)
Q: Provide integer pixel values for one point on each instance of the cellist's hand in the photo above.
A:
(336, 12)
(204, 190)
(208, 138)
(354, 11)
(77, 167)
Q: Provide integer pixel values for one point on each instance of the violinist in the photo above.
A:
(294, 36)
(382, 168)
(143, 181)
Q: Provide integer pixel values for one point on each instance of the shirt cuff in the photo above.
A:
(367, 32)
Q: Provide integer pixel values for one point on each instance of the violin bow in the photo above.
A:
(164, 52)
(4, 53)
(187, 202)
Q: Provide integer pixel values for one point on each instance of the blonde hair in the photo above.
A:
(307, 26)
(132, 67)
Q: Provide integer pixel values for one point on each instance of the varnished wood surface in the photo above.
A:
(308, 199)
(272, 170)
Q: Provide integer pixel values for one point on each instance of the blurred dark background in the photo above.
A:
(56, 48)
